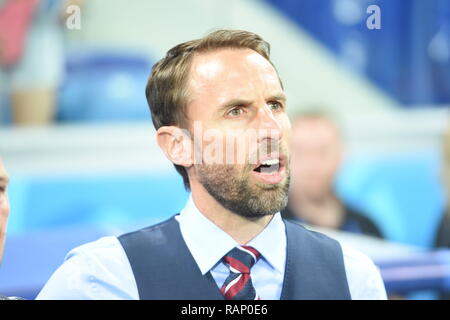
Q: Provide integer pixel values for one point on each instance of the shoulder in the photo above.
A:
(95, 270)
(157, 238)
(167, 225)
(100, 243)
(356, 259)
(315, 237)
(104, 251)
(363, 276)
(443, 231)
(315, 246)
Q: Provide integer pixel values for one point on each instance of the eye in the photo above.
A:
(235, 112)
(275, 106)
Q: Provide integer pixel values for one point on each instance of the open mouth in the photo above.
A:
(271, 170)
(268, 166)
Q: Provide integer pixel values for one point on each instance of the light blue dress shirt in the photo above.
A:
(101, 270)
(267, 273)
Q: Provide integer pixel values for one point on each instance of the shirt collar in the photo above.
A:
(271, 243)
(195, 228)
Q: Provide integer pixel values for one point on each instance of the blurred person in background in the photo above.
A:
(4, 214)
(229, 241)
(317, 152)
(32, 57)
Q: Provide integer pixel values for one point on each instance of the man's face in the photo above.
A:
(316, 153)
(4, 207)
(235, 97)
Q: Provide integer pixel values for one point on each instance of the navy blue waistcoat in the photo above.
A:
(164, 268)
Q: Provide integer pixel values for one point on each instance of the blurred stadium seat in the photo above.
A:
(53, 215)
(407, 57)
(113, 201)
(104, 86)
(402, 193)
(5, 111)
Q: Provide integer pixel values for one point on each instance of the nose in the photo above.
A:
(268, 124)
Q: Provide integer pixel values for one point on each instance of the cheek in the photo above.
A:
(4, 209)
(286, 126)
(3, 224)
(287, 123)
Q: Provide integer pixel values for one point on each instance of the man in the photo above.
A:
(220, 112)
(4, 207)
(4, 213)
(317, 151)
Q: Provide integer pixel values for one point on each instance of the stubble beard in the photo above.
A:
(233, 189)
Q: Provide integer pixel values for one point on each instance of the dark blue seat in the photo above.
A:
(104, 86)
(402, 193)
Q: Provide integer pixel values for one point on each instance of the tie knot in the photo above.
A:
(241, 259)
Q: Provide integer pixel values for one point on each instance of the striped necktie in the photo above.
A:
(238, 285)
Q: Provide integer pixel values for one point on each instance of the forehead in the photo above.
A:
(228, 73)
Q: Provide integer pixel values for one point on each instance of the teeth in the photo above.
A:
(271, 162)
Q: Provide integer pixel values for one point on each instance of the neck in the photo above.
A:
(241, 229)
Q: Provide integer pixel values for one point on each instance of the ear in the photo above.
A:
(176, 144)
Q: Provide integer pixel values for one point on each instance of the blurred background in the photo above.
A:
(77, 139)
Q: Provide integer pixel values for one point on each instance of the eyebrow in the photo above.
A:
(234, 102)
(279, 96)
(237, 102)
